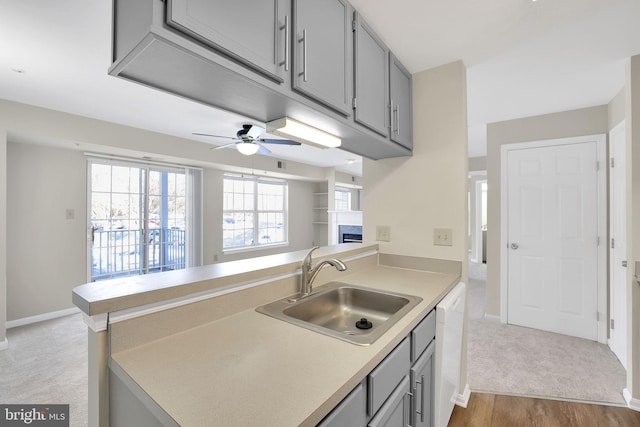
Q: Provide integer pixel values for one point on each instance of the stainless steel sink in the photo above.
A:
(351, 313)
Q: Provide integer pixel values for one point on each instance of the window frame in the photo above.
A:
(256, 180)
(346, 191)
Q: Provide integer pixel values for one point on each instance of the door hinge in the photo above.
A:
(354, 103)
(624, 264)
(613, 243)
(612, 163)
(597, 166)
(611, 324)
(597, 240)
(353, 25)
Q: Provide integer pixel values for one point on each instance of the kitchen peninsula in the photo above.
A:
(188, 348)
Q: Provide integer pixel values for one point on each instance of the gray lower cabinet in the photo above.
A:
(399, 391)
(352, 411)
(371, 68)
(322, 52)
(396, 411)
(254, 32)
(422, 388)
(401, 103)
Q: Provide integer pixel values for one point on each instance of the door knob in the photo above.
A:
(514, 246)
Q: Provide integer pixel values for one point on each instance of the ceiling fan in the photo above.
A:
(247, 141)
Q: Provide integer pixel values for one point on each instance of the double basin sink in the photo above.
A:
(351, 313)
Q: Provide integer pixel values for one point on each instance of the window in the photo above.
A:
(343, 199)
(254, 212)
(138, 216)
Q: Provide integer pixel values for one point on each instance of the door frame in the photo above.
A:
(619, 128)
(603, 232)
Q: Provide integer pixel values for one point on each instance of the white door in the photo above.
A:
(618, 245)
(552, 229)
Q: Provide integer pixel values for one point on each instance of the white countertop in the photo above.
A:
(249, 369)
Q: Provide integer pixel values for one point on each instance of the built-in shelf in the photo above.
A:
(321, 223)
(322, 209)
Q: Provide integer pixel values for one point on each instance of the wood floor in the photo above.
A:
(490, 410)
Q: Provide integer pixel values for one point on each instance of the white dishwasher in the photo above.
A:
(449, 325)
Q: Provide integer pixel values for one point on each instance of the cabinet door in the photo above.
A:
(401, 104)
(371, 65)
(322, 59)
(254, 32)
(352, 411)
(422, 386)
(396, 410)
(385, 377)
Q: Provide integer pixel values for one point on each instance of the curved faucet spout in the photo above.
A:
(309, 273)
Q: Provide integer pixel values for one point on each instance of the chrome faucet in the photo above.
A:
(309, 273)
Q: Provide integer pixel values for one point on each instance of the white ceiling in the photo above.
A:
(523, 58)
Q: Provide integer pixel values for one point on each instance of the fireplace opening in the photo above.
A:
(349, 234)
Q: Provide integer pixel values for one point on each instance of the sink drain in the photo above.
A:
(364, 324)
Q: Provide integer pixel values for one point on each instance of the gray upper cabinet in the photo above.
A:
(401, 104)
(322, 52)
(371, 67)
(254, 32)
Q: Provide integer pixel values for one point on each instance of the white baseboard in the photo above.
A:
(631, 402)
(4, 344)
(492, 317)
(463, 399)
(41, 317)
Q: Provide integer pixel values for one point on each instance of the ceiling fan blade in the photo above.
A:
(233, 144)
(213, 136)
(255, 131)
(263, 149)
(279, 141)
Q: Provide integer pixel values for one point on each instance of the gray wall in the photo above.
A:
(477, 164)
(300, 220)
(48, 252)
(587, 121)
(47, 256)
(616, 109)
(47, 175)
(3, 237)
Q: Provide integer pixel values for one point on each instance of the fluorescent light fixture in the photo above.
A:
(247, 148)
(302, 132)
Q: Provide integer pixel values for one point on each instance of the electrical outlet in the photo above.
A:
(383, 233)
(442, 236)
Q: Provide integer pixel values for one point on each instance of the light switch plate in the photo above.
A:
(383, 233)
(442, 237)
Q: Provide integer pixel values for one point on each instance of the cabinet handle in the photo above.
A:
(303, 40)
(407, 413)
(421, 411)
(393, 117)
(285, 27)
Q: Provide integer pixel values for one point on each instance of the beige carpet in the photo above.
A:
(507, 359)
(46, 363)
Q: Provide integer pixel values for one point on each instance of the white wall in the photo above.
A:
(429, 190)
(587, 121)
(47, 256)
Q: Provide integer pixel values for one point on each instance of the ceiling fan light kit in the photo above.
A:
(248, 141)
(303, 132)
(247, 148)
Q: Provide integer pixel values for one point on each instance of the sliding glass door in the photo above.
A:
(138, 219)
